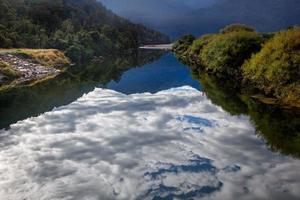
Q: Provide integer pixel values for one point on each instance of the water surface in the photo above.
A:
(154, 133)
(162, 74)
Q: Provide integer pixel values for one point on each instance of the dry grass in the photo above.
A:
(8, 71)
(45, 57)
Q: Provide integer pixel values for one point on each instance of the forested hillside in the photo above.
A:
(82, 28)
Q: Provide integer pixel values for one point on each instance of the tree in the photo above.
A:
(63, 24)
(236, 28)
(226, 53)
(276, 68)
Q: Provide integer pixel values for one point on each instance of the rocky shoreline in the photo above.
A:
(167, 47)
(28, 69)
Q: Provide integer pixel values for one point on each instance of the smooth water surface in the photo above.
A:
(154, 133)
(141, 71)
(163, 74)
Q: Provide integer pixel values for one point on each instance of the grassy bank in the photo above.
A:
(267, 64)
(28, 66)
(46, 57)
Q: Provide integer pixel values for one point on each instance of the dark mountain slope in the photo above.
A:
(264, 15)
(199, 17)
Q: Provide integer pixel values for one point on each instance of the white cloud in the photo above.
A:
(107, 145)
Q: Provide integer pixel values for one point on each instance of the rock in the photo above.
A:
(28, 69)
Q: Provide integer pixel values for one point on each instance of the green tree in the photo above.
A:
(62, 24)
(276, 68)
(226, 53)
(237, 28)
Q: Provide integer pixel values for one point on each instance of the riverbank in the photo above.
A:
(262, 64)
(167, 47)
(28, 66)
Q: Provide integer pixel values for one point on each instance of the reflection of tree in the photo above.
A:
(113, 68)
(21, 103)
(222, 93)
(280, 128)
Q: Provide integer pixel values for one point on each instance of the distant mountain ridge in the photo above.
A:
(264, 15)
(138, 10)
(202, 16)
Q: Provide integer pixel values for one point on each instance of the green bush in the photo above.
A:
(236, 28)
(193, 53)
(8, 71)
(276, 68)
(225, 54)
(182, 45)
(74, 52)
(5, 42)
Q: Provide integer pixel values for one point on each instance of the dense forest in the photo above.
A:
(81, 28)
(267, 63)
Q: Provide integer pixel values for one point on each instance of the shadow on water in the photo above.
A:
(280, 128)
(23, 102)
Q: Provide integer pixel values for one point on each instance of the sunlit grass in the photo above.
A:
(45, 57)
(8, 71)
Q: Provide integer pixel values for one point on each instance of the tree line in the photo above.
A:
(81, 28)
(267, 63)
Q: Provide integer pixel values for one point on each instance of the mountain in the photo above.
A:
(177, 17)
(157, 14)
(147, 6)
(145, 11)
(264, 15)
(82, 28)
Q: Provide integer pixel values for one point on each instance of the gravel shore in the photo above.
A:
(28, 69)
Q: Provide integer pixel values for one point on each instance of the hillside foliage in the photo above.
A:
(225, 54)
(82, 28)
(276, 68)
(221, 54)
(267, 62)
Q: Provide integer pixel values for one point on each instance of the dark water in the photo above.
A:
(176, 144)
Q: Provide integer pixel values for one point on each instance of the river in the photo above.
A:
(142, 126)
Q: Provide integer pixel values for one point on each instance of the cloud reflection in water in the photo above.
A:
(107, 145)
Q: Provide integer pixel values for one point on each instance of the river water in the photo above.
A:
(142, 126)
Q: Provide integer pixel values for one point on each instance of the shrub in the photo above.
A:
(5, 42)
(183, 44)
(8, 71)
(225, 54)
(195, 49)
(74, 52)
(236, 28)
(276, 68)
